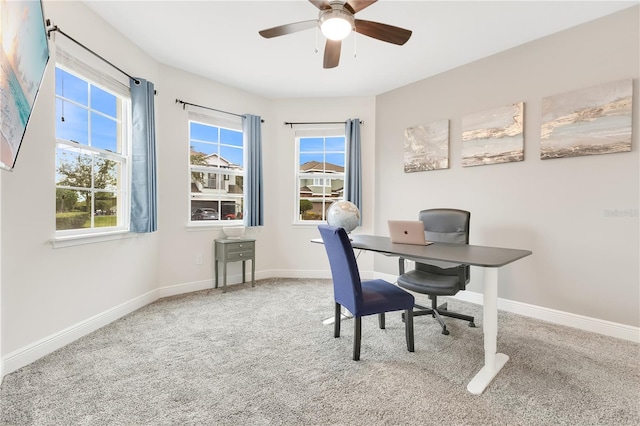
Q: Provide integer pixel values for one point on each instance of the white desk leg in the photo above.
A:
(343, 316)
(493, 362)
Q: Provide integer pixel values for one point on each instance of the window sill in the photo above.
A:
(77, 240)
(213, 225)
(309, 224)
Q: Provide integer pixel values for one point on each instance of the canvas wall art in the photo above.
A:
(590, 121)
(493, 136)
(426, 147)
(24, 54)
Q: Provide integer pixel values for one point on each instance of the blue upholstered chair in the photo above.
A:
(440, 278)
(361, 298)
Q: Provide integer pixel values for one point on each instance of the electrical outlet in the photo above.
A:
(198, 259)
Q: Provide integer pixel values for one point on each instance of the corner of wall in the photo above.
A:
(1, 357)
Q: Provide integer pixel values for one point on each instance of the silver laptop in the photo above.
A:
(407, 232)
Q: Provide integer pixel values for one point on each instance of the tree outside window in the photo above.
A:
(91, 158)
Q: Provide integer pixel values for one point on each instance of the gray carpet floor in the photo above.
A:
(261, 356)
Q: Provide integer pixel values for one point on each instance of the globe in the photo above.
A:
(344, 214)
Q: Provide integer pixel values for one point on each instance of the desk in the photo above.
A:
(490, 258)
(229, 250)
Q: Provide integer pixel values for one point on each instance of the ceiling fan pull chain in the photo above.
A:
(355, 44)
(316, 50)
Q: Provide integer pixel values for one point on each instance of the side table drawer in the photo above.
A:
(239, 255)
(239, 247)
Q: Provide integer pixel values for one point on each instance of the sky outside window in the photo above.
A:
(85, 107)
(210, 140)
(323, 150)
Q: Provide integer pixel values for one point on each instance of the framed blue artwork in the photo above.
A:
(24, 53)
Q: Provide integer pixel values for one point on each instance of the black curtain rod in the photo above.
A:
(287, 123)
(55, 28)
(184, 104)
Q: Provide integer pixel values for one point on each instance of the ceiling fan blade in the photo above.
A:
(321, 4)
(384, 32)
(358, 5)
(332, 53)
(288, 28)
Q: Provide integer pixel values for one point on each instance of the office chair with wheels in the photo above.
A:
(440, 278)
(361, 298)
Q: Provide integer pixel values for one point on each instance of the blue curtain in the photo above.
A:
(253, 190)
(353, 175)
(144, 215)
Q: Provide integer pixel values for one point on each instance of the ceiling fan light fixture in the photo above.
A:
(336, 25)
(336, 21)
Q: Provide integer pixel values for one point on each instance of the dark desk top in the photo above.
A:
(491, 257)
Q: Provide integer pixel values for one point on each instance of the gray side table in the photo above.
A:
(230, 250)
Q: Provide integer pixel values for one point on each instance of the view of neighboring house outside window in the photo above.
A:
(92, 155)
(216, 170)
(320, 175)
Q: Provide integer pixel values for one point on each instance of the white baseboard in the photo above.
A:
(595, 325)
(30, 353)
(607, 328)
(174, 290)
(316, 274)
(25, 356)
(308, 273)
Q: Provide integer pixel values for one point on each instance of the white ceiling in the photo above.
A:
(219, 39)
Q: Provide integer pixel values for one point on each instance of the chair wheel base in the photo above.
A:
(445, 331)
(472, 324)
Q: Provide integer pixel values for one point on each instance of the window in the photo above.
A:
(320, 169)
(216, 168)
(92, 155)
(322, 182)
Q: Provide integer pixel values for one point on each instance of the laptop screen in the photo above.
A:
(407, 232)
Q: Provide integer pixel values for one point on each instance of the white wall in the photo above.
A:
(282, 249)
(45, 290)
(1, 359)
(51, 296)
(583, 261)
(292, 253)
(179, 245)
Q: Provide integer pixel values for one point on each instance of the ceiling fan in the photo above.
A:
(336, 21)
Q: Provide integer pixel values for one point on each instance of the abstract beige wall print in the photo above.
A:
(493, 136)
(426, 147)
(590, 121)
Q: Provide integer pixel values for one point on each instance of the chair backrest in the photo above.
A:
(446, 226)
(347, 287)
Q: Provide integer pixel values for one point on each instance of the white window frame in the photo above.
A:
(224, 174)
(108, 84)
(326, 177)
(326, 182)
